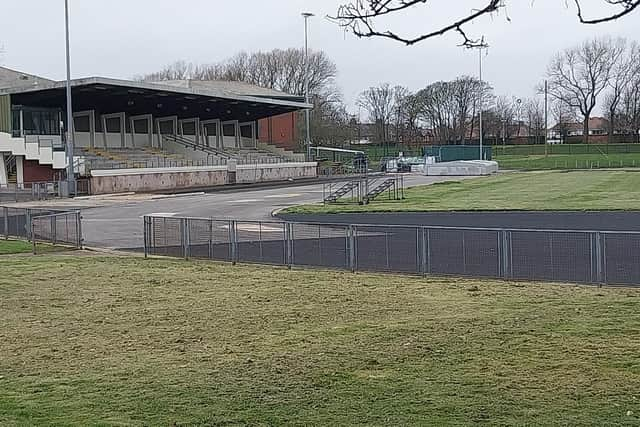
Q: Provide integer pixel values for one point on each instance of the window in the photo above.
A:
(229, 129)
(188, 128)
(81, 124)
(246, 131)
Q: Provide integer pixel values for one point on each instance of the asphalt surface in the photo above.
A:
(119, 224)
(600, 221)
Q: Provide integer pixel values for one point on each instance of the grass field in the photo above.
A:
(579, 190)
(568, 161)
(14, 247)
(128, 341)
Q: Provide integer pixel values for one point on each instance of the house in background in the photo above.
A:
(572, 131)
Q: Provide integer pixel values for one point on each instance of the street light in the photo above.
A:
(306, 16)
(70, 172)
(480, 46)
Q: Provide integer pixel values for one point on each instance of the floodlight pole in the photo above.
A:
(306, 16)
(70, 172)
(481, 96)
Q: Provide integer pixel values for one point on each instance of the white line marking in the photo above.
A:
(283, 196)
(160, 214)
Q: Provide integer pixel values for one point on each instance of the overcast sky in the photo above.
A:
(123, 38)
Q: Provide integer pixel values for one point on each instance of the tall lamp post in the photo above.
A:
(306, 16)
(480, 46)
(70, 172)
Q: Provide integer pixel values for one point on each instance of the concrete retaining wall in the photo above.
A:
(461, 168)
(167, 179)
(275, 172)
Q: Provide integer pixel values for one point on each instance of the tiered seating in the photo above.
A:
(124, 158)
(253, 156)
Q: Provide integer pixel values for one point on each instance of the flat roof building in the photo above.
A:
(199, 120)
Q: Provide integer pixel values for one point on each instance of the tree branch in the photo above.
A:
(359, 16)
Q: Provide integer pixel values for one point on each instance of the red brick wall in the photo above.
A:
(35, 172)
(280, 131)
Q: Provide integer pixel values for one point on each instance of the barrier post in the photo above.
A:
(146, 236)
(33, 237)
(79, 229)
(6, 222)
(183, 238)
(600, 258)
(28, 223)
(210, 239)
(352, 248)
(53, 222)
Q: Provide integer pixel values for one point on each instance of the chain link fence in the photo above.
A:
(596, 257)
(42, 227)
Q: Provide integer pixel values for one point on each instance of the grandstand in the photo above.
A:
(120, 124)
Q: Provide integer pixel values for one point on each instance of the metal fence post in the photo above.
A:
(184, 237)
(506, 254)
(79, 229)
(289, 244)
(422, 248)
(233, 241)
(6, 223)
(352, 248)
(28, 223)
(33, 238)
(145, 235)
(210, 222)
(53, 223)
(600, 258)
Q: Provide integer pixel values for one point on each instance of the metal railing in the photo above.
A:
(42, 226)
(36, 191)
(573, 256)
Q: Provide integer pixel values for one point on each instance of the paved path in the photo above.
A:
(117, 223)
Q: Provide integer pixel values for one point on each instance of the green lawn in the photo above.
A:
(568, 161)
(128, 341)
(15, 247)
(578, 190)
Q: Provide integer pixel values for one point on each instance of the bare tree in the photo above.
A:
(534, 111)
(330, 121)
(411, 108)
(363, 16)
(379, 102)
(621, 71)
(467, 91)
(401, 95)
(439, 110)
(450, 108)
(277, 69)
(564, 116)
(504, 115)
(580, 74)
(629, 110)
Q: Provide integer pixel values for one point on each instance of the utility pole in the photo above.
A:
(546, 118)
(481, 100)
(71, 179)
(306, 16)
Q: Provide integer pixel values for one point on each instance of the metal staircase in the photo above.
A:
(379, 189)
(340, 192)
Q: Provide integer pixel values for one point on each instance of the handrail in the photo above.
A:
(187, 143)
(395, 226)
